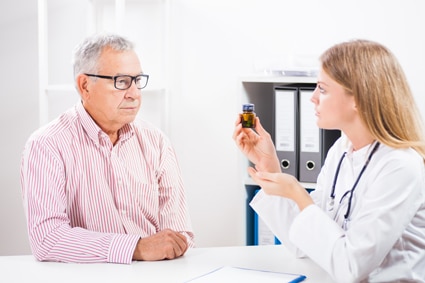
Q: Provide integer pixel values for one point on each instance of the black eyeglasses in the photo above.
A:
(124, 82)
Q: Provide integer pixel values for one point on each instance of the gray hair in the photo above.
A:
(87, 53)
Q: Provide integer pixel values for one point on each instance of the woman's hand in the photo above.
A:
(257, 146)
(282, 184)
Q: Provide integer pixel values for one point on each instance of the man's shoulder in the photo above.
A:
(56, 129)
(148, 133)
(144, 127)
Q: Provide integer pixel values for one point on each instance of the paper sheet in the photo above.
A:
(245, 275)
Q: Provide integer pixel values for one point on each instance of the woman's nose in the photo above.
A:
(315, 96)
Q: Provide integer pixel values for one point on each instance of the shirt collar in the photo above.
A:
(358, 157)
(94, 132)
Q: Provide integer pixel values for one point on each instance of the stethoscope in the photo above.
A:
(350, 192)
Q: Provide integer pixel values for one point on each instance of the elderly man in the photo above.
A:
(98, 186)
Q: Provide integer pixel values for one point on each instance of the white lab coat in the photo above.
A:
(385, 238)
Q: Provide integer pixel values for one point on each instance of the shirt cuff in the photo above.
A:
(122, 248)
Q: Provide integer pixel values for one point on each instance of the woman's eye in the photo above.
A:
(321, 90)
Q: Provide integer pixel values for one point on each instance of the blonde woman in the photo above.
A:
(365, 222)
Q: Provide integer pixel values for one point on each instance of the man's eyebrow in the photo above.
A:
(121, 74)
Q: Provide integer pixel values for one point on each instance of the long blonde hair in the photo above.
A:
(371, 73)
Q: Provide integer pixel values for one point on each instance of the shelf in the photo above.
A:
(153, 91)
(278, 79)
(249, 181)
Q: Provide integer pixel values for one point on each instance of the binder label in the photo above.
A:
(285, 120)
(309, 132)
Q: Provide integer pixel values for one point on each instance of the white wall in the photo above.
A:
(216, 42)
(19, 117)
(213, 44)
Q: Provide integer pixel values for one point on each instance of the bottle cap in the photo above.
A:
(248, 107)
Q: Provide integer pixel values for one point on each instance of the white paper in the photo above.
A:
(245, 275)
(285, 120)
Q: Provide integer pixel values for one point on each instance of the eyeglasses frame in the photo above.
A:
(114, 78)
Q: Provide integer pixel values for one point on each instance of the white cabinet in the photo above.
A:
(63, 24)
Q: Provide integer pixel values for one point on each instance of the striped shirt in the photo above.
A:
(88, 200)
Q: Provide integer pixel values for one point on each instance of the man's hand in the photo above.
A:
(166, 244)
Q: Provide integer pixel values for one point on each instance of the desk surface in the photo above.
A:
(195, 262)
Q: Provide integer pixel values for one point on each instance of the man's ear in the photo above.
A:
(82, 85)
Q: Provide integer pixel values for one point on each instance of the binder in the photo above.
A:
(310, 155)
(327, 139)
(285, 128)
(314, 142)
(262, 233)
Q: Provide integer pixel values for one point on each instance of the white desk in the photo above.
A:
(194, 263)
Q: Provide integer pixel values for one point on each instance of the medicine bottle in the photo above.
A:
(248, 116)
